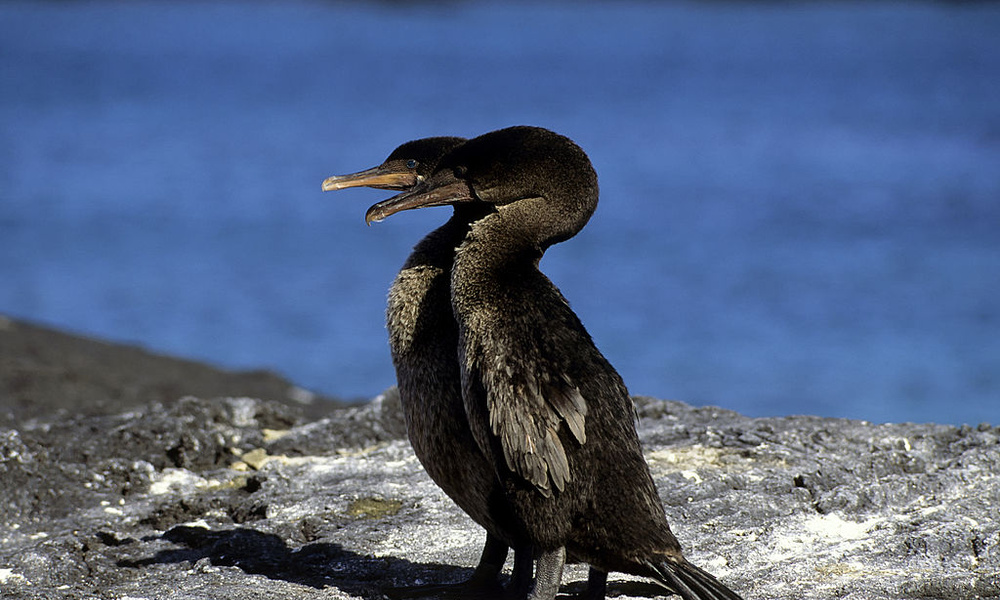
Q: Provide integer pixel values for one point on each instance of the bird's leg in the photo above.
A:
(490, 563)
(548, 574)
(483, 583)
(520, 577)
(597, 585)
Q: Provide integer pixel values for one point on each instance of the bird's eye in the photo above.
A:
(411, 164)
(460, 171)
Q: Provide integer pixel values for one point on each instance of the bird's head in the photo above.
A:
(407, 166)
(538, 177)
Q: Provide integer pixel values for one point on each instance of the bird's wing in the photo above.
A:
(521, 379)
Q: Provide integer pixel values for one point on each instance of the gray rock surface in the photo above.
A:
(106, 495)
(239, 498)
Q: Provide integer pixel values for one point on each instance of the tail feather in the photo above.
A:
(690, 582)
(669, 580)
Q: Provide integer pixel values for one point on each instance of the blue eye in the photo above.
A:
(411, 164)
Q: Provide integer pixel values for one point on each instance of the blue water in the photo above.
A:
(800, 202)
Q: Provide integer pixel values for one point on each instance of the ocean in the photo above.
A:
(800, 202)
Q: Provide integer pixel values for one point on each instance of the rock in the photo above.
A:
(44, 373)
(112, 487)
(238, 499)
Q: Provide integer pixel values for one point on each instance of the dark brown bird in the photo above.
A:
(423, 338)
(547, 410)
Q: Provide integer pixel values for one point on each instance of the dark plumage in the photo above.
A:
(548, 411)
(423, 338)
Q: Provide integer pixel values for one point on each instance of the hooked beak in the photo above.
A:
(381, 177)
(442, 190)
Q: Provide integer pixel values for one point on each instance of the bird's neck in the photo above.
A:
(437, 249)
(495, 249)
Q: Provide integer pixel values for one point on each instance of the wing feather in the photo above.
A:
(529, 403)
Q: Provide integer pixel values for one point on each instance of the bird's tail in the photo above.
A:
(690, 582)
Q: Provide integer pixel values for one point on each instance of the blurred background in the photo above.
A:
(800, 209)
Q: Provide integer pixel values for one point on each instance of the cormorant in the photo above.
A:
(545, 407)
(423, 339)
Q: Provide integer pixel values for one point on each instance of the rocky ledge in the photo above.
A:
(241, 498)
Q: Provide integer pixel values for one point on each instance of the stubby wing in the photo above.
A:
(529, 401)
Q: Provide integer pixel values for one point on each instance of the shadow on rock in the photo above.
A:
(316, 565)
